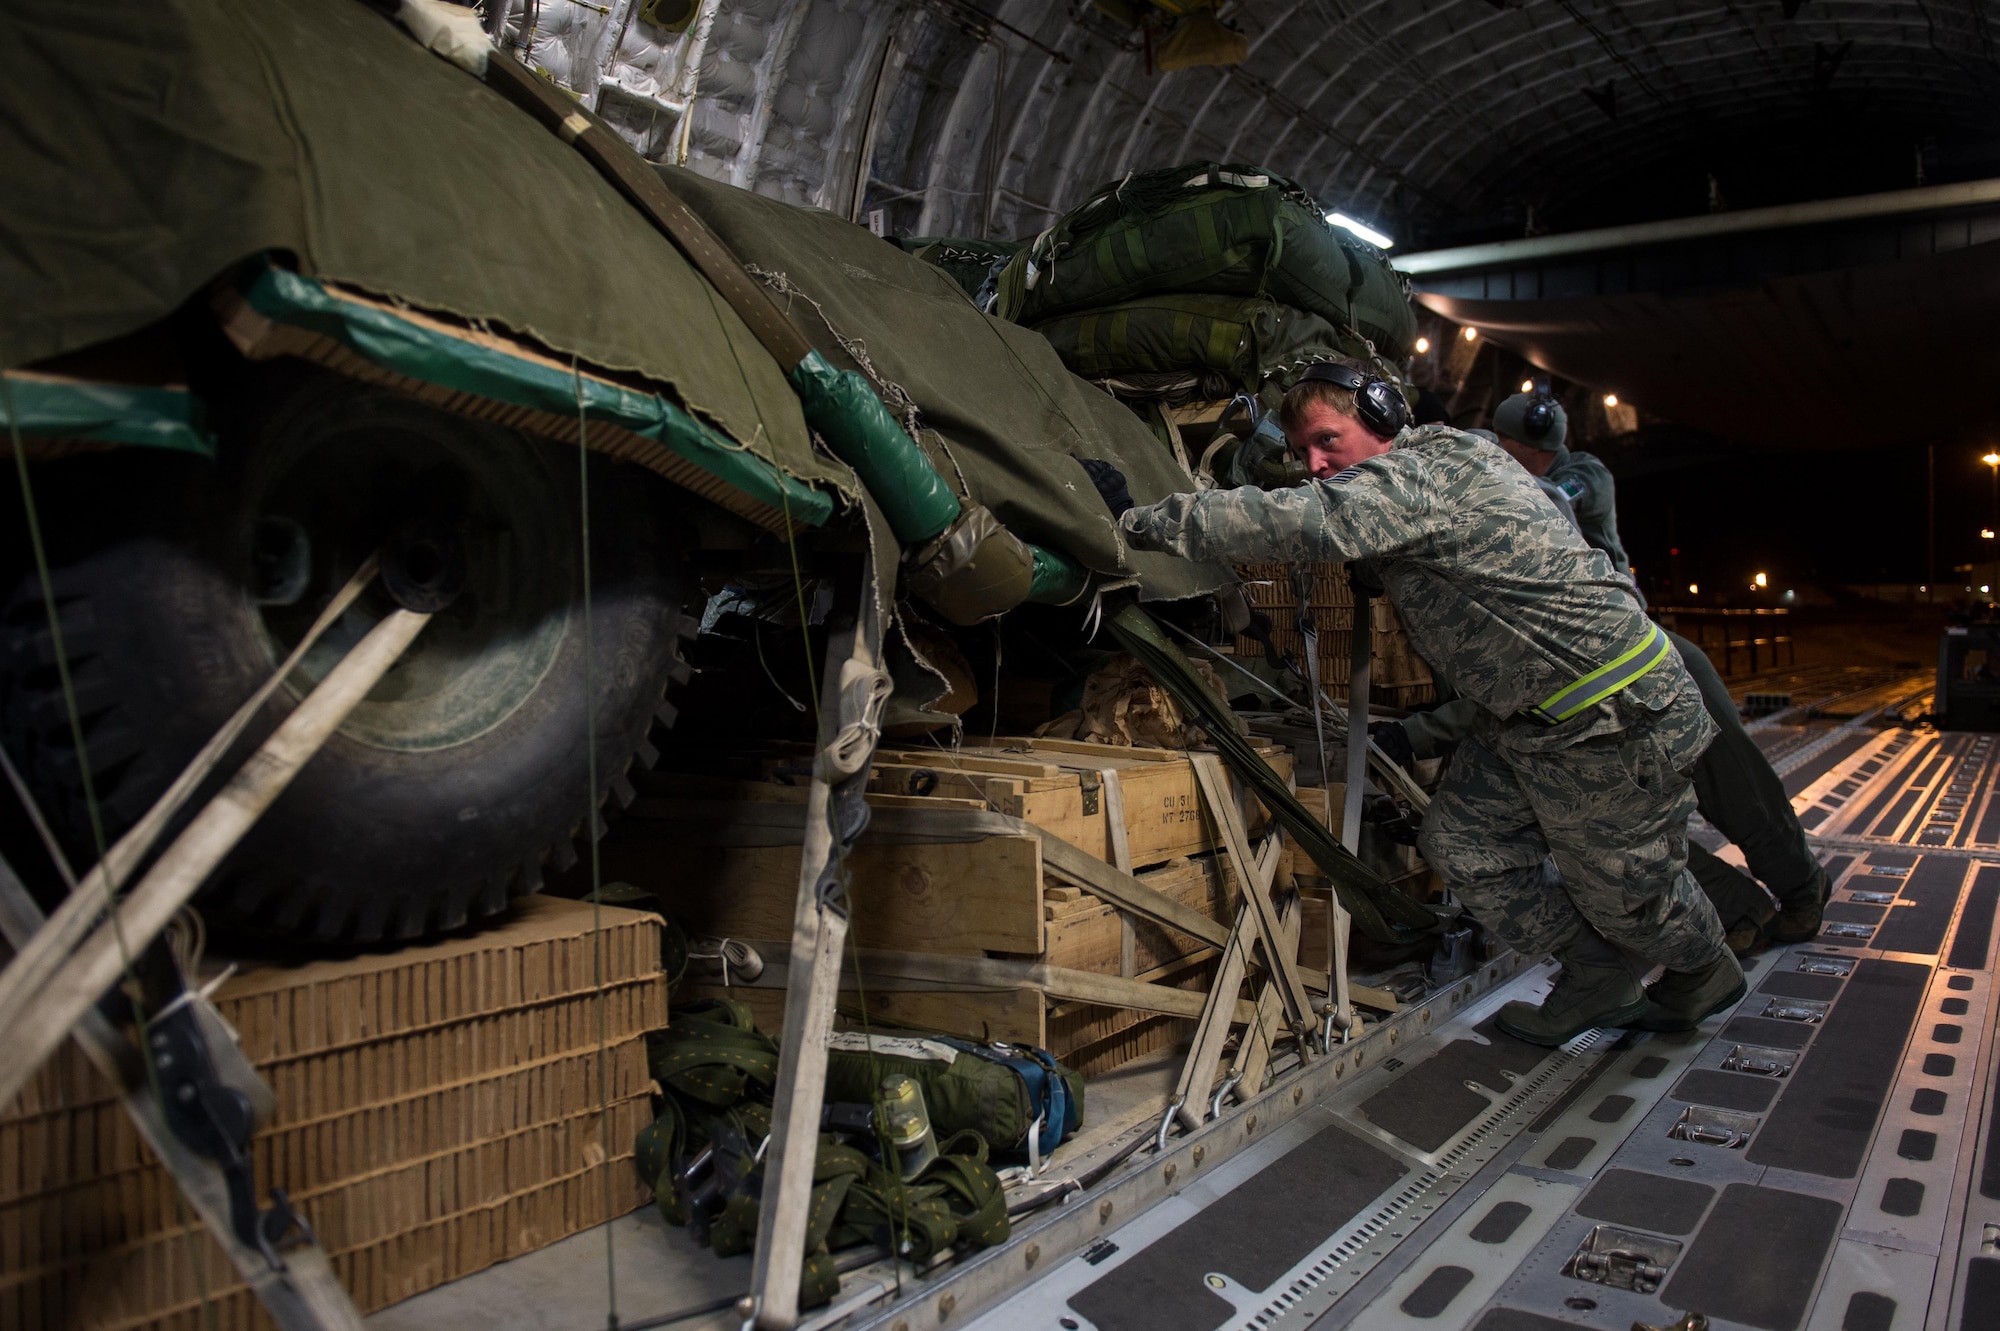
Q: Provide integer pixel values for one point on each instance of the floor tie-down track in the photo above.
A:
(1825, 1156)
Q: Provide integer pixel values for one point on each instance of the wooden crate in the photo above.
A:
(1399, 677)
(1059, 785)
(984, 898)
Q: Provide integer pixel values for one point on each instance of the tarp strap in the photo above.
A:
(632, 176)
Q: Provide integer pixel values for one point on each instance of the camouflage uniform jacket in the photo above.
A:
(1497, 591)
(1593, 497)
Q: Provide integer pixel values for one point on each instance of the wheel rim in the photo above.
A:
(346, 480)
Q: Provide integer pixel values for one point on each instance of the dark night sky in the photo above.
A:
(1827, 518)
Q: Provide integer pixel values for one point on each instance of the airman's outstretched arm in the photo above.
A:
(1379, 508)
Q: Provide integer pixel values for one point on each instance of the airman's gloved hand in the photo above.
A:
(1138, 536)
(1392, 739)
(1110, 483)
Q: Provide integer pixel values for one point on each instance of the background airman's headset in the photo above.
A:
(1540, 418)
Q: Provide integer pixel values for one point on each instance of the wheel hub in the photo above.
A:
(471, 525)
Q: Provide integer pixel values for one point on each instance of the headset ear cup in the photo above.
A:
(1540, 419)
(1382, 408)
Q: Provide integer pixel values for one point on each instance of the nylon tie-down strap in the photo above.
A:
(1384, 914)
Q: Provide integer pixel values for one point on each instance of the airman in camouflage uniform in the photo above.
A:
(1510, 606)
(1735, 786)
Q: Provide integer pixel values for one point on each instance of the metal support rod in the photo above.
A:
(1964, 194)
(30, 1033)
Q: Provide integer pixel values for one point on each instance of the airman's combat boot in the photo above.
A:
(1680, 999)
(1799, 918)
(1595, 989)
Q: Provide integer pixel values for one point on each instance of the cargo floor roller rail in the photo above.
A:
(1824, 1156)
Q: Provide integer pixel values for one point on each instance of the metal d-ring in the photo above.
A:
(1221, 1094)
(1167, 1123)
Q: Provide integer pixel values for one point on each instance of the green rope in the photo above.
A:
(596, 861)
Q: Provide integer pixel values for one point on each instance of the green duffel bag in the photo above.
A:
(1206, 227)
(998, 1090)
(1242, 338)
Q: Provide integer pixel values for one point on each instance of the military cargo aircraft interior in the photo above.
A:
(1028, 665)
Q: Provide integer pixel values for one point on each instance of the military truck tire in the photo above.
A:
(462, 777)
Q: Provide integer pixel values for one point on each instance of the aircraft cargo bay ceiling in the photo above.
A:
(1440, 124)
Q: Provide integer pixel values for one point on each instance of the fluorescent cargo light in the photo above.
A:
(1363, 230)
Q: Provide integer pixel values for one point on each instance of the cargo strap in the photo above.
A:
(1384, 914)
(1308, 629)
(1602, 682)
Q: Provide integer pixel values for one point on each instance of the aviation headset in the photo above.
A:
(1541, 415)
(1376, 401)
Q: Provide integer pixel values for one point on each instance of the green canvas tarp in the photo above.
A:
(161, 146)
(1014, 421)
(154, 147)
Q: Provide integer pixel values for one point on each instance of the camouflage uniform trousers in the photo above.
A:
(1541, 838)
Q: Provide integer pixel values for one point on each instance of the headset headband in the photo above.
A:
(1376, 401)
(1540, 418)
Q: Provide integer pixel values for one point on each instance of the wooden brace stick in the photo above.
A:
(58, 937)
(1205, 1056)
(305, 1294)
(1253, 1055)
(30, 1035)
(1256, 893)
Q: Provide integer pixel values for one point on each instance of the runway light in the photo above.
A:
(1985, 533)
(1472, 334)
(1527, 385)
(1694, 589)
(1423, 345)
(1363, 230)
(1610, 399)
(1984, 588)
(1760, 581)
(1790, 594)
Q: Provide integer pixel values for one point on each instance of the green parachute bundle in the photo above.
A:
(974, 264)
(1241, 339)
(1204, 229)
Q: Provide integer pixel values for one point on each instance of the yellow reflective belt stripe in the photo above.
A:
(1602, 682)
